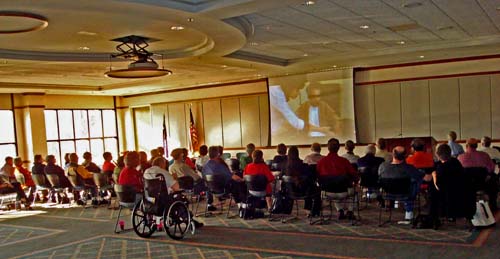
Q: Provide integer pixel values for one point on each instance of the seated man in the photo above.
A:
(28, 180)
(349, 147)
(53, 168)
(486, 147)
(8, 169)
(179, 168)
(456, 149)
(83, 176)
(13, 187)
(420, 159)
(159, 167)
(398, 168)
(202, 158)
(315, 154)
(108, 166)
(371, 163)
(334, 165)
(213, 167)
(88, 164)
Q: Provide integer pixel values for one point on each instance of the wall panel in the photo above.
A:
(495, 106)
(475, 106)
(212, 120)
(264, 120)
(415, 109)
(142, 129)
(364, 103)
(177, 125)
(444, 117)
(231, 122)
(250, 120)
(388, 110)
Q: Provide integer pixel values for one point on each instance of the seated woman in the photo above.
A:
(179, 169)
(120, 164)
(259, 167)
(449, 197)
(28, 180)
(279, 161)
(304, 179)
(13, 187)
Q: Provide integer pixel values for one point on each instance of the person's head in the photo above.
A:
(381, 143)
(38, 158)
(132, 159)
(234, 164)
(143, 156)
(185, 152)
(9, 160)
(333, 145)
(159, 161)
(293, 153)
(87, 156)
(258, 156)
(107, 156)
(443, 152)
(281, 149)
(472, 143)
(177, 154)
(18, 161)
(316, 147)
(154, 153)
(292, 85)
(349, 146)
(398, 154)
(314, 95)
(161, 151)
(73, 158)
(418, 145)
(203, 150)
(66, 158)
(370, 149)
(486, 141)
(51, 159)
(213, 152)
(250, 148)
(120, 162)
(452, 135)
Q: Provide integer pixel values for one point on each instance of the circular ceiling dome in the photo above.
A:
(19, 22)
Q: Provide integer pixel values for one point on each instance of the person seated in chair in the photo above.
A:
(38, 166)
(315, 155)
(304, 179)
(53, 168)
(202, 158)
(259, 167)
(130, 175)
(159, 167)
(279, 161)
(371, 162)
(13, 187)
(108, 166)
(83, 176)
(398, 168)
(335, 165)
(8, 169)
(88, 164)
(28, 180)
(245, 160)
(349, 155)
(238, 186)
(420, 159)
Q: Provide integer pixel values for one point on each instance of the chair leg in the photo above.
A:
(198, 199)
(118, 219)
(229, 206)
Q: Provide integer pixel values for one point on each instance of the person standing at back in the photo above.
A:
(456, 149)
(381, 150)
(245, 160)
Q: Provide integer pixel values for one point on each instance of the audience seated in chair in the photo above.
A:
(53, 168)
(398, 168)
(259, 167)
(381, 150)
(28, 180)
(130, 175)
(108, 166)
(420, 159)
(349, 155)
(334, 165)
(368, 168)
(158, 168)
(245, 160)
(202, 158)
(13, 187)
(88, 164)
(315, 155)
(279, 161)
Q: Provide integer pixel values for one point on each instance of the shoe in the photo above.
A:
(404, 222)
(341, 214)
(103, 202)
(95, 202)
(211, 208)
(80, 202)
(197, 224)
(350, 215)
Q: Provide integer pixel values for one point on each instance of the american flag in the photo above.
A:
(165, 137)
(193, 132)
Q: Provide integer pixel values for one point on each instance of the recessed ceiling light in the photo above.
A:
(268, 27)
(309, 2)
(84, 48)
(402, 42)
(190, 19)
(421, 56)
(411, 5)
(305, 55)
(254, 43)
(177, 28)
(223, 66)
(87, 33)
(364, 26)
(334, 66)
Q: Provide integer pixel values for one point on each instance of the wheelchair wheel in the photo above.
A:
(143, 223)
(177, 220)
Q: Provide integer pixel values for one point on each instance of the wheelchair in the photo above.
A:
(159, 210)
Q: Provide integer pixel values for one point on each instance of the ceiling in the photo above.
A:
(232, 40)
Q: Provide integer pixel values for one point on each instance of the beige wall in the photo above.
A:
(460, 101)
(5, 102)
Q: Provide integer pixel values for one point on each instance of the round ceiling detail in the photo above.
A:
(19, 22)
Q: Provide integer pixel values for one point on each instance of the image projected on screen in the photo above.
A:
(312, 107)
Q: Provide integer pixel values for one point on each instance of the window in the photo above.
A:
(7, 135)
(79, 131)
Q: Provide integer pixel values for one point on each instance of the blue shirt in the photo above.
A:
(213, 167)
(456, 149)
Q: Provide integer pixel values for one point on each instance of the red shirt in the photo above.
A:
(130, 176)
(334, 165)
(421, 159)
(28, 181)
(108, 166)
(189, 162)
(256, 169)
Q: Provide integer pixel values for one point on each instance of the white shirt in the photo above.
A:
(384, 154)
(202, 161)
(492, 152)
(281, 111)
(154, 171)
(314, 120)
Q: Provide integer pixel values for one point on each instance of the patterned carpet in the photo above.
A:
(11, 234)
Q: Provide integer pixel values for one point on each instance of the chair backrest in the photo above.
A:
(125, 193)
(39, 180)
(53, 180)
(73, 179)
(293, 189)
(239, 155)
(186, 182)
(369, 176)
(256, 183)
(477, 177)
(226, 156)
(399, 186)
(154, 187)
(215, 183)
(334, 184)
(100, 179)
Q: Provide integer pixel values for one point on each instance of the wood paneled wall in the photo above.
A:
(468, 105)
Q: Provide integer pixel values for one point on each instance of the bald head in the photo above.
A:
(370, 149)
(399, 154)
